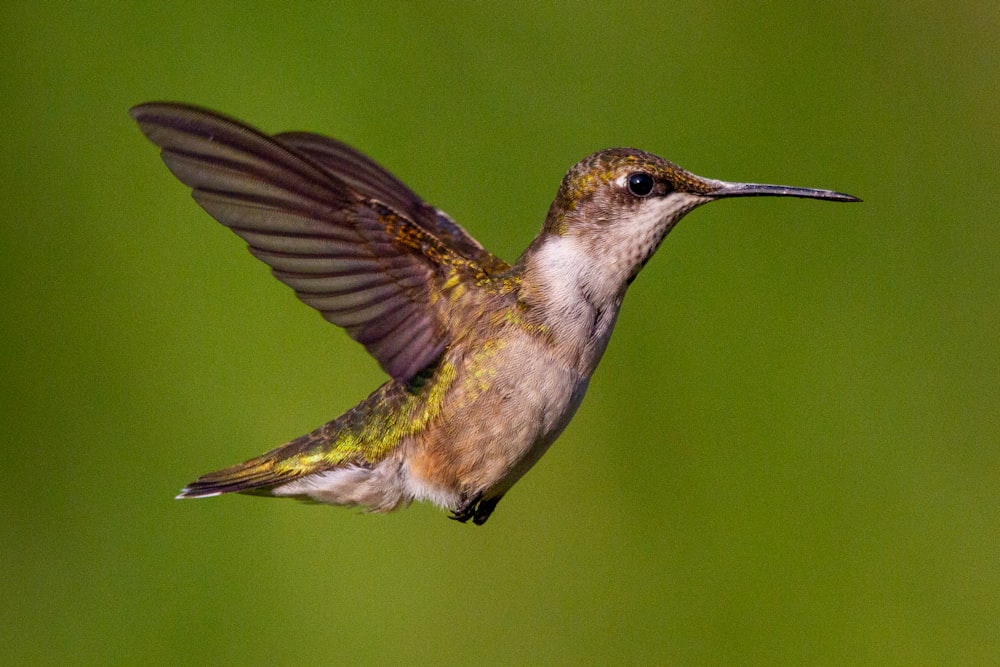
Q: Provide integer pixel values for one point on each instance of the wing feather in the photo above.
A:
(352, 240)
(369, 178)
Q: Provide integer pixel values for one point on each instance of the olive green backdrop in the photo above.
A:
(789, 454)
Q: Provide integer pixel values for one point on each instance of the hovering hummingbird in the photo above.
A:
(487, 361)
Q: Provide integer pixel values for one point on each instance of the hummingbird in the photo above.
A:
(487, 361)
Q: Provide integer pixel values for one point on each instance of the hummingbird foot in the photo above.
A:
(475, 508)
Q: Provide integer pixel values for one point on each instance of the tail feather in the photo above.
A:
(256, 475)
(303, 456)
(360, 437)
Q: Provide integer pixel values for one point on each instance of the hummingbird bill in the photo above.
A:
(487, 361)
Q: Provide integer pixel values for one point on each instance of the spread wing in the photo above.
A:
(358, 171)
(351, 240)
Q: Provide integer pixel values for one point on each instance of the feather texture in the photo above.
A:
(352, 240)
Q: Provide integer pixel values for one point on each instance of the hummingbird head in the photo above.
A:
(615, 207)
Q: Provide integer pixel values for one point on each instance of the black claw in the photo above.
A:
(475, 508)
(462, 517)
(466, 509)
(485, 509)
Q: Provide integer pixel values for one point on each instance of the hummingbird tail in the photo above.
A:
(254, 476)
(306, 455)
(345, 444)
(262, 473)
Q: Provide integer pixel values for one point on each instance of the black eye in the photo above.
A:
(640, 183)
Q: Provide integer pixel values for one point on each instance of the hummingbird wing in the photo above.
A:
(370, 179)
(351, 240)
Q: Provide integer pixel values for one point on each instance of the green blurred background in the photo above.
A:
(789, 454)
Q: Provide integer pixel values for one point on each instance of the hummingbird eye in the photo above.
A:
(640, 183)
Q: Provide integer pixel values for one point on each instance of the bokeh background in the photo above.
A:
(789, 454)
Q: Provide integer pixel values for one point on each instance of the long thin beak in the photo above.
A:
(724, 189)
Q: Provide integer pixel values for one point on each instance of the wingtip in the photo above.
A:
(144, 108)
